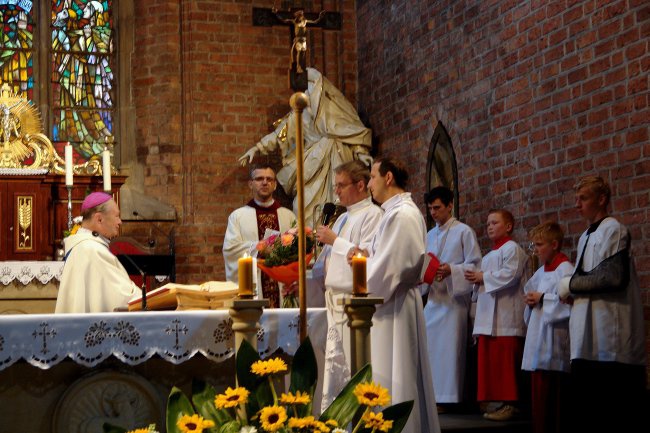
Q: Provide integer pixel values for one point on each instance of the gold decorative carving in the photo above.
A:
(24, 209)
(23, 143)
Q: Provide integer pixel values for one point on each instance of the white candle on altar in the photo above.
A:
(68, 164)
(106, 169)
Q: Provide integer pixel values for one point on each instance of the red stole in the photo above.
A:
(267, 217)
(499, 242)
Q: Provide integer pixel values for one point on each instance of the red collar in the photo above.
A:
(557, 261)
(499, 243)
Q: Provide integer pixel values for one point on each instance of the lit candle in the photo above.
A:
(359, 282)
(106, 168)
(68, 164)
(245, 273)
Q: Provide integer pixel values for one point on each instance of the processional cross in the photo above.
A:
(298, 20)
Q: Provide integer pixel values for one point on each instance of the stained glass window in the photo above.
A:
(16, 46)
(82, 74)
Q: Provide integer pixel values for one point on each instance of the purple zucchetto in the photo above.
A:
(95, 199)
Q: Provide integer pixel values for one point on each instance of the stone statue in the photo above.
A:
(333, 134)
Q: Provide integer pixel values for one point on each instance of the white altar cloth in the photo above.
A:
(25, 271)
(44, 340)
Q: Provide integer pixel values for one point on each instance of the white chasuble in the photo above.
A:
(400, 360)
(447, 309)
(357, 226)
(93, 279)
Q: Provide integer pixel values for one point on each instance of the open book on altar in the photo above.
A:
(210, 295)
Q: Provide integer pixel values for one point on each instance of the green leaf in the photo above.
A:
(230, 427)
(203, 396)
(345, 405)
(259, 387)
(177, 406)
(110, 428)
(304, 374)
(399, 413)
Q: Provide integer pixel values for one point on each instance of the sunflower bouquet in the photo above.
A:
(255, 407)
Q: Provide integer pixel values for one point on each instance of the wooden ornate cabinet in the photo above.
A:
(34, 212)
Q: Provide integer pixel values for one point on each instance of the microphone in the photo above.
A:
(328, 212)
(152, 242)
(143, 288)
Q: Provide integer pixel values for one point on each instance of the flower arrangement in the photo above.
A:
(77, 225)
(282, 249)
(255, 407)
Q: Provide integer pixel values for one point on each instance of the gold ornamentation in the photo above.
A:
(25, 204)
(23, 143)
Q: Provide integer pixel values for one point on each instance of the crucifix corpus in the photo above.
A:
(298, 20)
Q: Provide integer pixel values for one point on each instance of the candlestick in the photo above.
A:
(68, 164)
(245, 272)
(359, 281)
(106, 169)
(69, 187)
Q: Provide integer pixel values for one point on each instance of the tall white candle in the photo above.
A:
(106, 168)
(68, 165)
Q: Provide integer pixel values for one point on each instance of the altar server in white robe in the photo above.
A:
(449, 296)
(332, 273)
(93, 279)
(608, 345)
(546, 350)
(499, 323)
(399, 353)
(248, 224)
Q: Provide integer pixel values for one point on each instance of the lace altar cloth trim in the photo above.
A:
(44, 340)
(23, 171)
(25, 272)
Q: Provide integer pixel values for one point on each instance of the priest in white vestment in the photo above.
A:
(332, 273)
(248, 224)
(93, 279)
(333, 134)
(400, 360)
(449, 296)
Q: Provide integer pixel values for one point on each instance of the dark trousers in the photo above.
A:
(608, 396)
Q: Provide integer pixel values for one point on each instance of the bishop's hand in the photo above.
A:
(247, 158)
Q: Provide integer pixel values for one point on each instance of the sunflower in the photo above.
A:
(299, 398)
(300, 423)
(231, 398)
(273, 418)
(193, 424)
(140, 430)
(332, 423)
(270, 366)
(376, 421)
(371, 394)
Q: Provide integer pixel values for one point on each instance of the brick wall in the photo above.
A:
(207, 86)
(533, 93)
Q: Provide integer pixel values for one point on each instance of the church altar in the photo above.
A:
(79, 370)
(29, 286)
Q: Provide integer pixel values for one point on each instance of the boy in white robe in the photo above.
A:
(247, 226)
(608, 352)
(449, 296)
(332, 273)
(546, 350)
(499, 323)
(400, 360)
(93, 279)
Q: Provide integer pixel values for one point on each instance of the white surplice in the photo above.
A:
(400, 360)
(547, 335)
(500, 303)
(608, 327)
(356, 227)
(93, 279)
(242, 236)
(447, 309)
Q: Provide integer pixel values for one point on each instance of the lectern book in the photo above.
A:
(210, 295)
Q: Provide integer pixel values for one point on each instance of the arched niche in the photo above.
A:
(441, 165)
